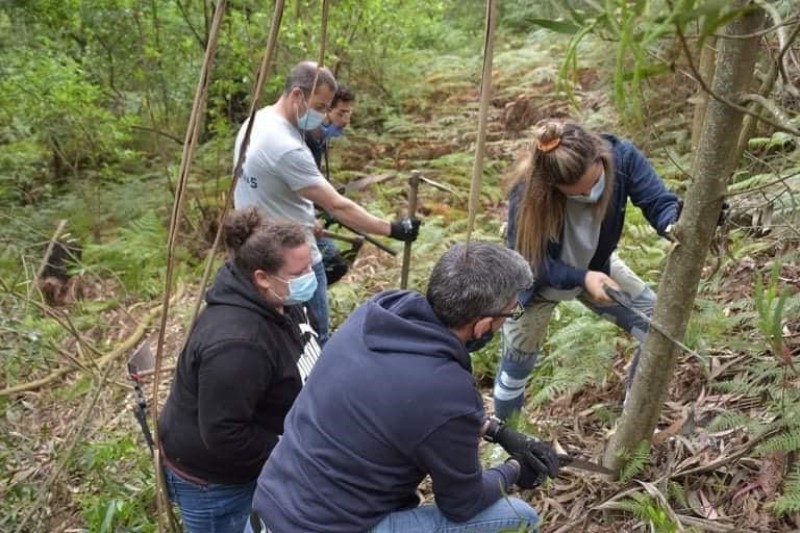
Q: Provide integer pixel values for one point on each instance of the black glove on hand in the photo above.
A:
(531, 454)
(405, 229)
(528, 477)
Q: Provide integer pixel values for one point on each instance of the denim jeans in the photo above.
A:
(319, 303)
(505, 514)
(211, 508)
(522, 338)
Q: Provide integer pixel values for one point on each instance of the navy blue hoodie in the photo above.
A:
(634, 178)
(391, 399)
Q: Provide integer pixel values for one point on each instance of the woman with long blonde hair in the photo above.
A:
(566, 213)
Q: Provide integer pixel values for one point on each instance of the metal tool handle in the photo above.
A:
(618, 296)
(583, 464)
(622, 299)
(344, 238)
(413, 189)
(371, 240)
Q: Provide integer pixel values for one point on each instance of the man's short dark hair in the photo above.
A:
(343, 94)
(475, 280)
(303, 74)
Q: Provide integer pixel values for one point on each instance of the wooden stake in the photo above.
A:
(413, 190)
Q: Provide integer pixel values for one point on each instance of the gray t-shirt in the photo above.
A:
(578, 244)
(277, 165)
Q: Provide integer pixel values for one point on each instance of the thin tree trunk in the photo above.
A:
(713, 165)
(706, 69)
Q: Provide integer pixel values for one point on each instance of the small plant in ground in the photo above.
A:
(635, 462)
(770, 379)
(118, 485)
(648, 510)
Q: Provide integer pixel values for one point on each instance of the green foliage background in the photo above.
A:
(94, 101)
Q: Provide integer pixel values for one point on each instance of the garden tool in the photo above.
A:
(583, 464)
(337, 265)
(413, 189)
(378, 244)
(142, 360)
(357, 185)
(622, 299)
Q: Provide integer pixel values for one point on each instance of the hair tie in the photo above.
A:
(548, 146)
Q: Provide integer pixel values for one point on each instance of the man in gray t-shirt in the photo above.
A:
(280, 177)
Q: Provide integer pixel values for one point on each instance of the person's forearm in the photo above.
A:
(358, 218)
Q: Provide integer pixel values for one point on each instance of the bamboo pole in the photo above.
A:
(190, 142)
(266, 63)
(483, 112)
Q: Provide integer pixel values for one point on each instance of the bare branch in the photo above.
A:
(767, 104)
(784, 41)
(158, 132)
(765, 31)
(742, 109)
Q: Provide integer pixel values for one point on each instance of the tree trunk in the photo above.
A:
(706, 69)
(713, 165)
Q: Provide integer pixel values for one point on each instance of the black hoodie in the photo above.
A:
(236, 378)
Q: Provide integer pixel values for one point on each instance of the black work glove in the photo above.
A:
(528, 477)
(405, 229)
(537, 459)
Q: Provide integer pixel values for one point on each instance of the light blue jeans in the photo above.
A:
(506, 513)
(319, 303)
(211, 508)
(522, 338)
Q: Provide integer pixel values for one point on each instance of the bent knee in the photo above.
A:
(523, 511)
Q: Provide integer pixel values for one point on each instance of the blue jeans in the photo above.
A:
(319, 303)
(211, 508)
(505, 514)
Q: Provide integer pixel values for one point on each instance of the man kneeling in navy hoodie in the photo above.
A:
(391, 400)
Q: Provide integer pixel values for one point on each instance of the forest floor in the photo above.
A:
(702, 474)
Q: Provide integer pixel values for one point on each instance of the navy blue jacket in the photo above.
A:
(634, 178)
(391, 399)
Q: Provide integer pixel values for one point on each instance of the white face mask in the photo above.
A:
(594, 195)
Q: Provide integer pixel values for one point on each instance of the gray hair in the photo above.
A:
(303, 74)
(475, 280)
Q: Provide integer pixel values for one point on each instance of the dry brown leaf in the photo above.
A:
(770, 476)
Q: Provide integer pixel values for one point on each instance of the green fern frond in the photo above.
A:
(677, 493)
(785, 442)
(635, 462)
(789, 501)
(648, 510)
(732, 419)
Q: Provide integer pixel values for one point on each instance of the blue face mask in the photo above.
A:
(594, 195)
(301, 288)
(310, 120)
(331, 131)
(473, 345)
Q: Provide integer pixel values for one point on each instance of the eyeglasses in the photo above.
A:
(515, 313)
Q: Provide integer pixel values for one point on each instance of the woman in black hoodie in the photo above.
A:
(242, 367)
